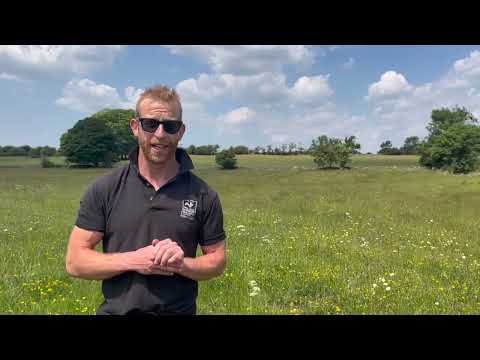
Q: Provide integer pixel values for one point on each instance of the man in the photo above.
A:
(151, 215)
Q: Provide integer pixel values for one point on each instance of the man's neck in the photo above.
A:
(157, 174)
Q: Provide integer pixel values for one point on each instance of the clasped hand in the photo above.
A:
(163, 257)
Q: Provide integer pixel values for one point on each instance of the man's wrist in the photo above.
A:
(186, 266)
(124, 261)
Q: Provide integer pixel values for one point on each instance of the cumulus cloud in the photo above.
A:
(78, 59)
(238, 116)
(310, 89)
(469, 66)
(407, 109)
(264, 89)
(89, 97)
(247, 59)
(391, 84)
(305, 108)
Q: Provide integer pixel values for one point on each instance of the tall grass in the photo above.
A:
(385, 237)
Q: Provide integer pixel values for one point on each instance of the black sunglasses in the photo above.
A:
(169, 125)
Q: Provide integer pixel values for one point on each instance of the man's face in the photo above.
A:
(158, 147)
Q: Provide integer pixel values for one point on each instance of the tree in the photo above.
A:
(453, 142)
(300, 148)
(292, 147)
(191, 150)
(240, 150)
(18, 151)
(26, 148)
(411, 146)
(90, 143)
(442, 119)
(48, 151)
(386, 148)
(351, 142)
(226, 159)
(206, 149)
(119, 121)
(330, 152)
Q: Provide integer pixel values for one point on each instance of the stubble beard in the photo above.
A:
(157, 158)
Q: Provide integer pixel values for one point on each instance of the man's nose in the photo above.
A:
(160, 132)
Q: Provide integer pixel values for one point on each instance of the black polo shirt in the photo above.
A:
(127, 209)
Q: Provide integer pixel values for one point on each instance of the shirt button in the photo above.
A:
(151, 197)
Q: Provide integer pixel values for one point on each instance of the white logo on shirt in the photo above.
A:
(189, 209)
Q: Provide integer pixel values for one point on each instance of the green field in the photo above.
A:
(385, 237)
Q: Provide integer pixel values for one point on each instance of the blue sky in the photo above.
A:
(232, 95)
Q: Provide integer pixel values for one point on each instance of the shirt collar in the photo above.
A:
(181, 156)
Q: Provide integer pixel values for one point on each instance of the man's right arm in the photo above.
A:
(83, 261)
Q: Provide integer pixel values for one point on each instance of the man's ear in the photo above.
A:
(181, 132)
(134, 126)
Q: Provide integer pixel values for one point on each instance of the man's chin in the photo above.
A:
(155, 159)
(159, 158)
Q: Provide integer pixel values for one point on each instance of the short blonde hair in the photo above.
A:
(161, 93)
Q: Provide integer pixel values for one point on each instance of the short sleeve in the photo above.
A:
(91, 215)
(212, 226)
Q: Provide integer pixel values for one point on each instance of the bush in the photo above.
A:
(46, 163)
(330, 153)
(453, 143)
(226, 159)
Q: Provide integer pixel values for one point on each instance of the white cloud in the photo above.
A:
(78, 59)
(349, 64)
(233, 121)
(469, 66)
(89, 97)
(407, 109)
(391, 84)
(239, 116)
(306, 109)
(247, 59)
(309, 89)
(266, 89)
(5, 76)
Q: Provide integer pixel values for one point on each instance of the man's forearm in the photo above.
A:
(90, 264)
(204, 267)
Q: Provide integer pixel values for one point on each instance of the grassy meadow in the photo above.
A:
(385, 237)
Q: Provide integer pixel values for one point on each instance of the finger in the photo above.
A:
(167, 255)
(165, 268)
(161, 272)
(175, 258)
(159, 253)
(163, 242)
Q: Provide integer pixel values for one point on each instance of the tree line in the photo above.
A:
(453, 144)
(27, 150)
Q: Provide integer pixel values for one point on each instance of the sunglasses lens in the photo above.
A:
(149, 125)
(172, 127)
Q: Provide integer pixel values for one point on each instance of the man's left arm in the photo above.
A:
(212, 242)
(207, 266)
(169, 257)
